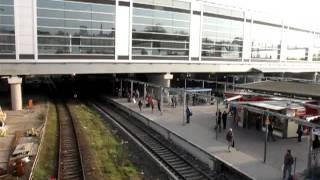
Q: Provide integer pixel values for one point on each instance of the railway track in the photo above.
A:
(70, 163)
(179, 163)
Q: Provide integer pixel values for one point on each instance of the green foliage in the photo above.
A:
(110, 156)
(46, 166)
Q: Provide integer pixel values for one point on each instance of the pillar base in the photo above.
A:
(16, 95)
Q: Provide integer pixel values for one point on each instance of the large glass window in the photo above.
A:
(316, 46)
(7, 33)
(297, 45)
(160, 32)
(265, 42)
(221, 38)
(77, 28)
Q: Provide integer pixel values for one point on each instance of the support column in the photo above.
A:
(233, 83)
(131, 93)
(161, 100)
(202, 83)
(144, 91)
(16, 95)
(121, 89)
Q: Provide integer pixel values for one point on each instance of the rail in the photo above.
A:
(213, 161)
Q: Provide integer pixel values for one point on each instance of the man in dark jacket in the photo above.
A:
(299, 132)
(270, 132)
(189, 114)
(288, 161)
(224, 119)
(218, 115)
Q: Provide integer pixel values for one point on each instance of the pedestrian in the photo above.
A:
(316, 143)
(224, 119)
(152, 105)
(218, 115)
(270, 132)
(159, 105)
(299, 132)
(175, 101)
(287, 164)
(230, 139)
(189, 114)
(140, 104)
(137, 94)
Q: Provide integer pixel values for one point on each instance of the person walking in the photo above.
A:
(224, 119)
(189, 114)
(270, 132)
(287, 164)
(299, 132)
(152, 105)
(137, 93)
(218, 115)
(140, 104)
(230, 139)
(316, 143)
(159, 105)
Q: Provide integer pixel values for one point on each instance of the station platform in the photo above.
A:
(246, 157)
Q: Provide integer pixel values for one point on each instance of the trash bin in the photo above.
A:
(30, 104)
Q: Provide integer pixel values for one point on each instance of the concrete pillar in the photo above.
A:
(202, 83)
(233, 83)
(163, 80)
(121, 88)
(185, 83)
(144, 91)
(131, 93)
(315, 77)
(161, 100)
(16, 95)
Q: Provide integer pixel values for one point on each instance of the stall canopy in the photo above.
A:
(233, 98)
(267, 105)
(199, 90)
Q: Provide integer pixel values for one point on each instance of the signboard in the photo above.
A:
(168, 76)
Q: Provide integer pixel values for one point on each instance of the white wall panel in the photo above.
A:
(24, 26)
(122, 31)
(195, 35)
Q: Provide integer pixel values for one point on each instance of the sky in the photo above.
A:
(302, 12)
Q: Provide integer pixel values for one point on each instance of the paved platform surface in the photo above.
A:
(19, 121)
(249, 143)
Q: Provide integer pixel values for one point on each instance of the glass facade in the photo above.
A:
(266, 42)
(160, 32)
(316, 47)
(221, 37)
(297, 45)
(76, 28)
(7, 30)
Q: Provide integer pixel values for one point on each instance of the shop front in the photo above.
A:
(283, 127)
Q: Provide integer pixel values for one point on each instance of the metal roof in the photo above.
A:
(294, 88)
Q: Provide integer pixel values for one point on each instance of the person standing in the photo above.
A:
(299, 132)
(270, 132)
(287, 164)
(137, 93)
(230, 139)
(224, 119)
(159, 105)
(140, 104)
(316, 143)
(218, 115)
(189, 114)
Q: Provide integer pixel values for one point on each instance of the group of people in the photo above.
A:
(149, 103)
(221, 116)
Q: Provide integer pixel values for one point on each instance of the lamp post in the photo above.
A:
(266, 139)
